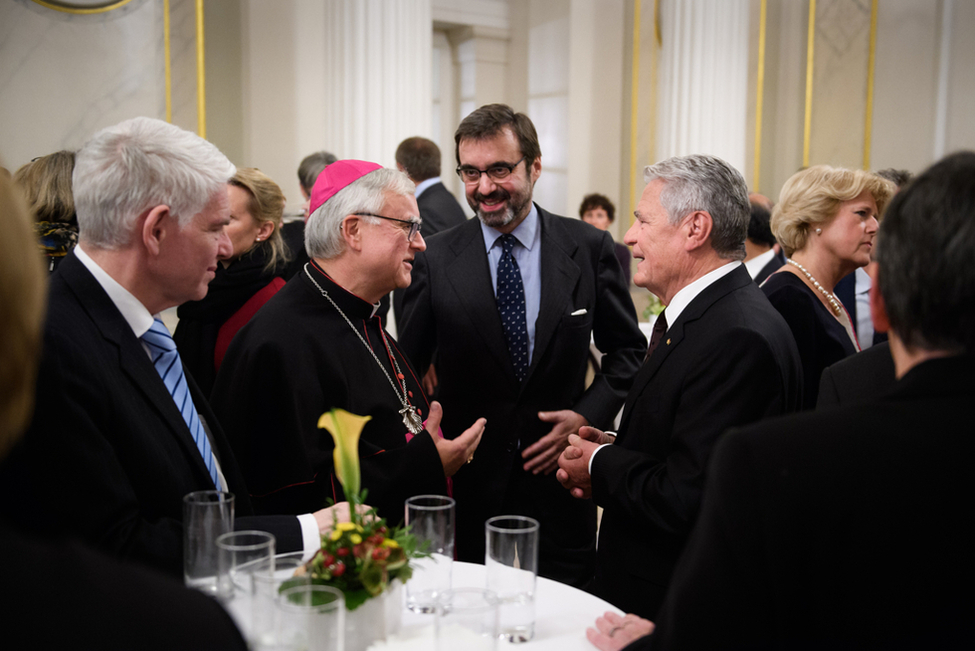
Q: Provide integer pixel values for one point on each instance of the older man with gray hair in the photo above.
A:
(720, 356)
(121, 433)
(318, 345)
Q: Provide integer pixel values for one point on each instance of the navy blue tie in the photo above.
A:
(511, 305)
(170, 369)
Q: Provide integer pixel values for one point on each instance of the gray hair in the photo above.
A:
(136, 165)
(311, 166)
(323, 232)
(707, 183)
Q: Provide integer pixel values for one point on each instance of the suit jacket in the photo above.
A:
(729, 359)
(837, 529)
(105, 604)
(108, 455)
(439, 209)
(859, 377)
(451, 309)
(771, 267)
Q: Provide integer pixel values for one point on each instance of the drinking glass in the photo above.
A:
(431, 520)
(242, 555)
(467, 618)
(511, 559)
(267, 580)
(311, 617)
(207, 515)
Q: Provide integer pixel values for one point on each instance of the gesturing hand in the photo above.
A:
(456, 452)
(543, 454)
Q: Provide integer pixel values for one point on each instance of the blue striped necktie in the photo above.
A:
(511, 305)
(170, 369)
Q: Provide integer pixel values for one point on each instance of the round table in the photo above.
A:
(562, 613)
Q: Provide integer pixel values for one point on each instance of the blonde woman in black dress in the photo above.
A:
(826, 220)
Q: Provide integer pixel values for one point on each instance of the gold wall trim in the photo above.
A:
(634, 101)
(201, 101)
(654, 62)
(71, 8)
(810, 41)
(871, 66)
(168, 63)
(759, 95)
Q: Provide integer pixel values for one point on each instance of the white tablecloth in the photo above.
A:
(562, 613)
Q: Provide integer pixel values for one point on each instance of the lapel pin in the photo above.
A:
(668, 341)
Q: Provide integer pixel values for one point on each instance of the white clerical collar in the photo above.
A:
(423, 185)
(688, 293)
(756, 264)
(132, 309)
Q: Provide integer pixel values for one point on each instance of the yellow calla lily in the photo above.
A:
(345, 429)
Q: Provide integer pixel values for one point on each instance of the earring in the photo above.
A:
(819, 231)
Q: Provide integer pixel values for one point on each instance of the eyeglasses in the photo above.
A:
(497, 172)
(414, 225)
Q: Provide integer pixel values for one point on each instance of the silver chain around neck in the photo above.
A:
(410, 418)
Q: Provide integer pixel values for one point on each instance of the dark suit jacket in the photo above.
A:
(108, 455)
(771, 267)
(842, 528)
(729, 359)
(451, 309)
(66, 596)
(859, 377)
(439, 209)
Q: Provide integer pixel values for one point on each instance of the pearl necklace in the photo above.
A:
(829, 297)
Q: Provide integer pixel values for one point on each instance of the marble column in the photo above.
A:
(703, 96)
(377, 76)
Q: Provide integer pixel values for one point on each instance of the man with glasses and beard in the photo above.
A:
(508, 303)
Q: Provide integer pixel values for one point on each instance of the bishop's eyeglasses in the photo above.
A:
(414, 225)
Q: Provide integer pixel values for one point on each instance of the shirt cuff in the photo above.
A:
(310, 536)
(593, 456)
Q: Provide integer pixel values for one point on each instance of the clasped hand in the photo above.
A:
(573, 471)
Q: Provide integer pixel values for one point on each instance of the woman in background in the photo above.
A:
(46, 184)
(826, 220)
(598, 210)
(244, 281)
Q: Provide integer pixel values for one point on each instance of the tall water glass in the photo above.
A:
(511, 559)
(207, 515)
(263, 611)
(242, 555)
(311, 617)
(431, 520)
(467, 618)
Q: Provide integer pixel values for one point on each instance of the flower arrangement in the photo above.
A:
(363, 556)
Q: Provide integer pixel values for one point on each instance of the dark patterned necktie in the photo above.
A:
(170, 369)
(659, 328)
(511, 305)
